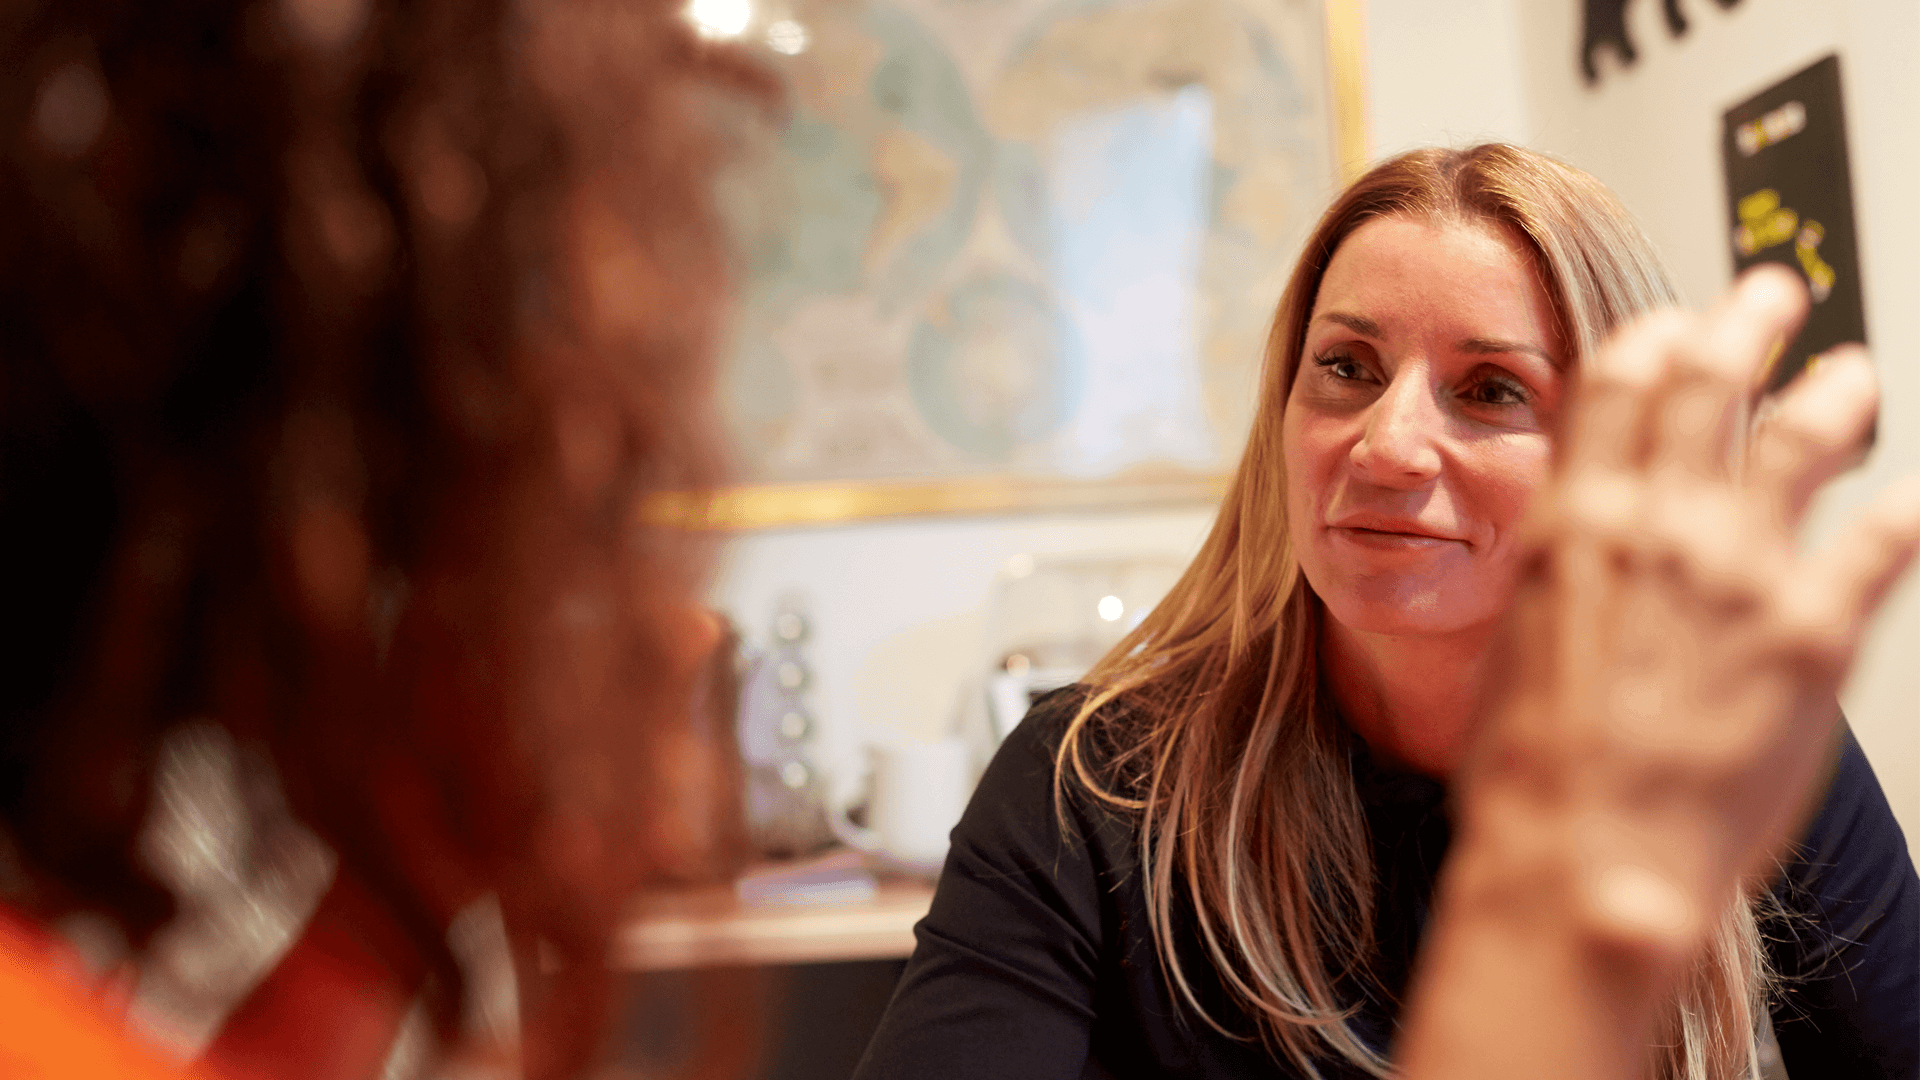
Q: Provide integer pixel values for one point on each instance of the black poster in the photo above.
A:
(1790, 198)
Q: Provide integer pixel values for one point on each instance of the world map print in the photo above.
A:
(1037, 238)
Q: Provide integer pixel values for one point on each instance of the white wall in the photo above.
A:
(1443, 74)
(1652, 133)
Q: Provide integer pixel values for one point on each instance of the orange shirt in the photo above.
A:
(53, 1028)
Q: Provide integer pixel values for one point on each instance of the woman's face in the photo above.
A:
(1419, 423)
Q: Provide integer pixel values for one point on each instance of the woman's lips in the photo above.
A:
(1389, 540)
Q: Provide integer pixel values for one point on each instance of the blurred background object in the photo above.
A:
(916, 790)
(785, 794)
(1050, 619)
(904, 610)
(245, 874)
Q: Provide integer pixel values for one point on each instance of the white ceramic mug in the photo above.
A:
(919, 791)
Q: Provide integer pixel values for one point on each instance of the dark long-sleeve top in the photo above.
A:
(1036, 960)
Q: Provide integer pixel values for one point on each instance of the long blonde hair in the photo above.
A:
(1220, 738)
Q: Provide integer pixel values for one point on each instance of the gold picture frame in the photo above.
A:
(752, 507)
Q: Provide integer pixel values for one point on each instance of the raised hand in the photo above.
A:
(1672, 666)
(1675, 654)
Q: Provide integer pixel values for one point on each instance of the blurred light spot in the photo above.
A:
(207, 248)
(588, 445)
(355, 230)
(413, 1045)
(1020, 565)
(71, 109)
(478, 939)
(790, 626)
(793, 726)
(794, 774)
(452, 187)
(720, 18)
(245, 874)
(1018, 664)
(330, 561)
(325, 24)
(787, 37)
(1641, 903)
(1111, 608)
(791, 676)
(624, 282)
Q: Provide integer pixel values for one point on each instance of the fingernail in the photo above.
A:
(1842, 362)
(1772, 278)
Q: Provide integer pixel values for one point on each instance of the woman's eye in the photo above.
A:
(1499, 392)
(1341, 366)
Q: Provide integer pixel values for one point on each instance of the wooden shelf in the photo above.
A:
(710, 926)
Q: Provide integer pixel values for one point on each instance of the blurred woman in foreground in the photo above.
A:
(342, 339)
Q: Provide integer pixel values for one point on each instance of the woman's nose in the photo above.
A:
(1399, 446)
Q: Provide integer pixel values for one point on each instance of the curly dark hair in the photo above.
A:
(342, 339)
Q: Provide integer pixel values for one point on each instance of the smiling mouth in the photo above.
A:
(1386, 538)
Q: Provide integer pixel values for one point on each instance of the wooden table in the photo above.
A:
(709, 926)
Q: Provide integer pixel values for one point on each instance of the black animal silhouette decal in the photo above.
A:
(1607, 25)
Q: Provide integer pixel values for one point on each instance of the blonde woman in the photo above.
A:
(1458, 624)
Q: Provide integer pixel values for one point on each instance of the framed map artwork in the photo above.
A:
(1021, 254)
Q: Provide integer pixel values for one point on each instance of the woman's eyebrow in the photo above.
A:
(1356, 323)
(1491, 346)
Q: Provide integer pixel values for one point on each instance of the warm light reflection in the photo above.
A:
(787, 37)
(1111, 608)
(720, 18)
(795, 775)
(70, 109)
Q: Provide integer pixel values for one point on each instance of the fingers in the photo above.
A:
(1831, 604)
(1608, 434)
(1671, 390)
(1700, 414)
(1766, 307)
(1879, 547)
(1814, 430)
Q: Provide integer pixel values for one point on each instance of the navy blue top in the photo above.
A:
(1036, 959)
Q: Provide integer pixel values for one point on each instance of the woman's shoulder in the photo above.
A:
(1025, 758)
(1048, 718)
(1847, 941)
(1101, 740)
(1851, 866)
(1060, 766)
